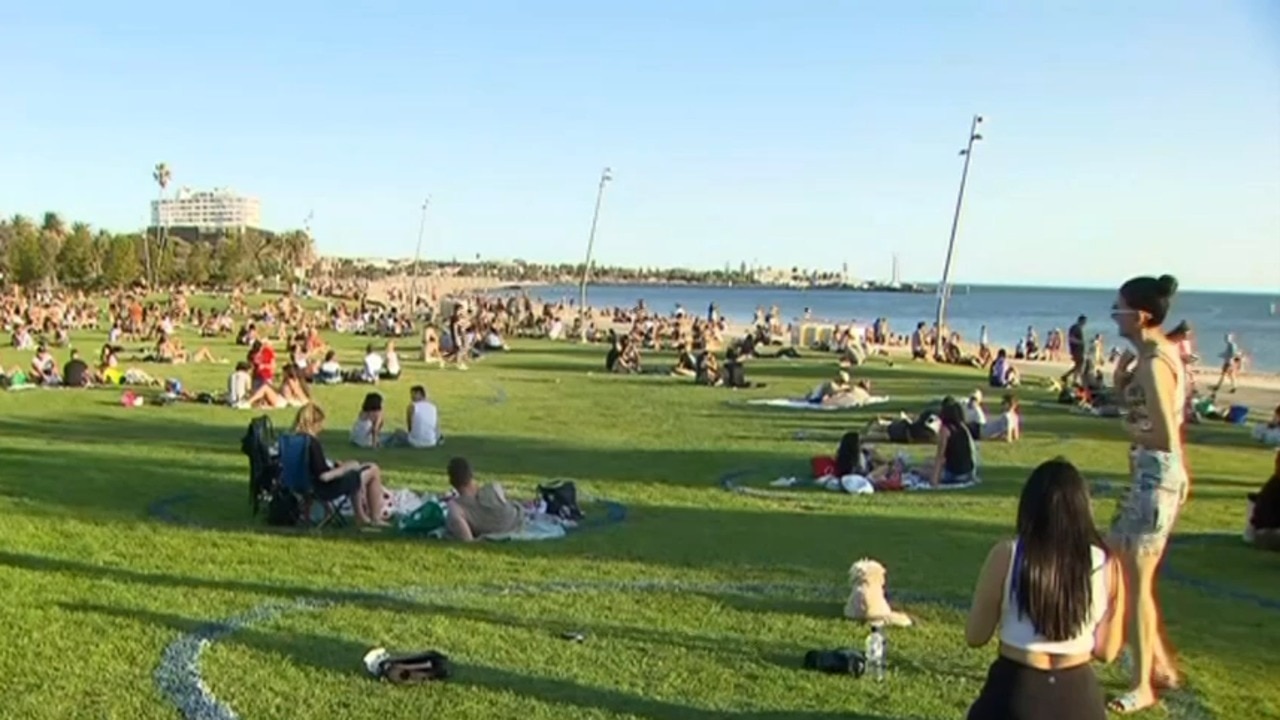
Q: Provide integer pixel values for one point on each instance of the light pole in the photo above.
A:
(605, 176)
(417, 255)
(944, 289)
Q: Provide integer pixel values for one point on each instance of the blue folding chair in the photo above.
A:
(297, 477)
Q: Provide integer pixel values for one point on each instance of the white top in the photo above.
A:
(1018, 631)
(393, 363)
(425, 431)
(330, 367)
(974, 414)
(1001, 425)
(362, 432)
(239, 385)
(372, 365)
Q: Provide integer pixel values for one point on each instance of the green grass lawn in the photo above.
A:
(700, 605)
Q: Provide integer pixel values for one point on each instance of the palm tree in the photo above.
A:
(160, 173)
(53, 225)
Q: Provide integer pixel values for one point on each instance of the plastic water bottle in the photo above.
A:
(876, 648)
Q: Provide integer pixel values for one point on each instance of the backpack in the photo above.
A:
(561, 498)
(837, 662)
(419, 667)
(428, 518)
(264, 469)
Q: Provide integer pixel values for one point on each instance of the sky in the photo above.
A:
(1119, 138)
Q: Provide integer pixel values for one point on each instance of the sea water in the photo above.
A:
(1006, 311)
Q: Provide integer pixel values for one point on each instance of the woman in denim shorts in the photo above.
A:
(1152, 380)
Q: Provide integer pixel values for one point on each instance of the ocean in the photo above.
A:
(1006, 311)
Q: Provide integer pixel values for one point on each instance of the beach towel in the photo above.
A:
(912, 482)
(802, 404)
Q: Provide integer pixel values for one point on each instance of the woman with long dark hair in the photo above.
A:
(1151, 380)
(1056, 597)
(955, 461)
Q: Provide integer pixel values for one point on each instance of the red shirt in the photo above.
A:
(264, 364)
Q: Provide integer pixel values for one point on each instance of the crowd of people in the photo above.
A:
(1057, 596)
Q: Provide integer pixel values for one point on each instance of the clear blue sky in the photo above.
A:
(1121, 137)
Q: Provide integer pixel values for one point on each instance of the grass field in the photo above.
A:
(699, 605)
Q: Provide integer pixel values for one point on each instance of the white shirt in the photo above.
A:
(1018, 632)
(974, 414)
(239, 385)
(393, 363)
(425, 430)
(1001, 425)
(372, 365)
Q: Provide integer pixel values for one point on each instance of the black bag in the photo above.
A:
(283, 509)
(258, 444)
(836, 662)
(423, 667)
(561, 499)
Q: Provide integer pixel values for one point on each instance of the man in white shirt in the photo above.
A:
(423, 420)
(372, 364)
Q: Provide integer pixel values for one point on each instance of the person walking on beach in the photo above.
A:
(1152, 383)
(1075, 345)
(1232, 359)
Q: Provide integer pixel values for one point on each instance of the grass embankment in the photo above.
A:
(95, 589)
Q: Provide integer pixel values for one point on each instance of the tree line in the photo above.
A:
(79, 257)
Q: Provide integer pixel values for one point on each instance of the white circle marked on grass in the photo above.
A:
(179, 678)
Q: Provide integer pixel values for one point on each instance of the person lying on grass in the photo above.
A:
(1005, 427)
(475, 510)
(1055, 596)
(360, 483)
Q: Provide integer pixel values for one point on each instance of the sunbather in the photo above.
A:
(476, 510)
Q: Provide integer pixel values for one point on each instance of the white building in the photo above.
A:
(217, 209)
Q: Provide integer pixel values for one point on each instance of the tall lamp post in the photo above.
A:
(605, 176)
(417, 257)
(944, 289)
(160, 173)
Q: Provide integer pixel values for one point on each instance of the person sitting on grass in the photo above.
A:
(44, 367)
(477, 511)
(956, 460)
(293, 388)
(330, 370)
(373, 365)
(76, 372)
(1003, 374)
(975, 416)
(686, 364)
(1055, 597)
(242, 396)
(422, 419)
(623, 357)
(391, 368)
(1005, 427)
(828, 390)
(361, 483)
(1264, 523)
(366, 432)
(431, 346)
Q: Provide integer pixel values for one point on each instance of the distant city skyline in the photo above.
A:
(1130, 138)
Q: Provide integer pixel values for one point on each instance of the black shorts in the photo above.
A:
(344, 485)
(1014, 691)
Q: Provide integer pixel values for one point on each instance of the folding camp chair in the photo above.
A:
(296, 476)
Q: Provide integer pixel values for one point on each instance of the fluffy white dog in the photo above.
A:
(867, 602)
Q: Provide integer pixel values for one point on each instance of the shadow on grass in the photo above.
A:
(100, 573)
(341, 656)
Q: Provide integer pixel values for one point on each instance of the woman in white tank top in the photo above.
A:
(1055, 597)
(1152, 381)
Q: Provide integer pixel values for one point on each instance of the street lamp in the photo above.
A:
(944, 289)
(605, 176)
(417, 255)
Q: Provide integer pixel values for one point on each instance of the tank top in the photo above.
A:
(1017, 631)
(957, 456)
(488, 513)
(1139, 413)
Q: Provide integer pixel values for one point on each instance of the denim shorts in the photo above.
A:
(1144, 519)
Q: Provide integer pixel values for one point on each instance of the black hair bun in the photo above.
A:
(1167, 285)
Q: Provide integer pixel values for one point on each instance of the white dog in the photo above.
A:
(866, 596)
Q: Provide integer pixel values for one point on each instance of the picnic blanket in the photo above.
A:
(803, 404)
(538, 526)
